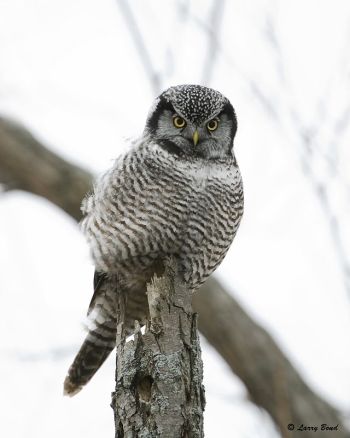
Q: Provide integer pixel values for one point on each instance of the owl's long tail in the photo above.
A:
(95, 349)
(101, 338)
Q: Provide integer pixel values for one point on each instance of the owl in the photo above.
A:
(177, 192)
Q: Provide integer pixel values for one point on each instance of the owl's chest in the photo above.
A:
(210, 206)
(213, 214)
(190, 201)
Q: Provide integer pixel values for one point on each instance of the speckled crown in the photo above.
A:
(195, 102)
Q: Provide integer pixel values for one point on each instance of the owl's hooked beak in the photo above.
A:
(195, 137)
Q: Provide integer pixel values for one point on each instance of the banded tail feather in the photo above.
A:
(100, 340)
(86, 363)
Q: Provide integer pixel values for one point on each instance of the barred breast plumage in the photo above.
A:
(166, 196)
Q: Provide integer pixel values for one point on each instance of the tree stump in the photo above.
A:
(159, 391)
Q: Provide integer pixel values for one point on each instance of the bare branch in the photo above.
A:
(216, 14)
(307, 138)
(252, 354)
(25, 164)
(140, 46)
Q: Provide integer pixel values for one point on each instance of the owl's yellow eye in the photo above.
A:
(179, 122)
(212, 125)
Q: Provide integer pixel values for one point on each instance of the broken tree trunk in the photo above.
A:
(159, 391)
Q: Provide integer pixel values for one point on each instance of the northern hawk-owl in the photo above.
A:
(177, 192)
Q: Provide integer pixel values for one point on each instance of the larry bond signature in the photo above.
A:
(302, 428)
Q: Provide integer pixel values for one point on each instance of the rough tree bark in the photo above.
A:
(159, 390)
(271, 380)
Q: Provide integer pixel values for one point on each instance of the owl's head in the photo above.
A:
(193, 120)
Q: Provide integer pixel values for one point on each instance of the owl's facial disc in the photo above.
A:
(193, 121)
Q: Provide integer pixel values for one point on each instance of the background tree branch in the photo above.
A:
(252, 354)
(271, 380)
(25, 164)
(140, 46)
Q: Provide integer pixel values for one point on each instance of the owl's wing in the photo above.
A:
(136, 211)
(99, 278)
